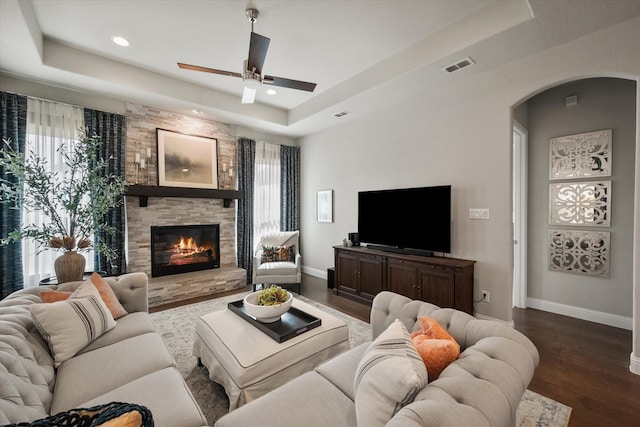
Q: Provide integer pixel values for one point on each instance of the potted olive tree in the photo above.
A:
(74, 201)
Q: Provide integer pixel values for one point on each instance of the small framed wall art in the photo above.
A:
(187, 160)
(325, 206)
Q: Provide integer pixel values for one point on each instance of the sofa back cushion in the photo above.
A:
(27, 374)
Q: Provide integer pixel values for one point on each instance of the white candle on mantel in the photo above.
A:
(230, 172)
(137, 157)
(224, 168)
(148, 153)
(142, 164)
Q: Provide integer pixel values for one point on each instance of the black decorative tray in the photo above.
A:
(293, 323)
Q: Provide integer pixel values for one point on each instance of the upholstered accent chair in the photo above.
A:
(277, 260)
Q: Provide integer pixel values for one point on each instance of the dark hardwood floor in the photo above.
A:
(584, 365)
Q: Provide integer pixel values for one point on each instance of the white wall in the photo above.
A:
(459, 134)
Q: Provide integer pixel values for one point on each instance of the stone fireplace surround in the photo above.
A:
(141, 127)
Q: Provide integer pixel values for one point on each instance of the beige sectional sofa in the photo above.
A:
(483, 387)
(129, 363)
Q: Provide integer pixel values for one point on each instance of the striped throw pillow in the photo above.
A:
(389, 376)
(69, 326)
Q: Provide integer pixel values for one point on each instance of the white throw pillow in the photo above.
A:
(389, 376)
(69, 326)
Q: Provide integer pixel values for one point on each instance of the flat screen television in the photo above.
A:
(406, 220)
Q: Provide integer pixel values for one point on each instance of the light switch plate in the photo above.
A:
(479, 213)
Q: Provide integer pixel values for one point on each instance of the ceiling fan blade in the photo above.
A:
(288, 83)
(248, 95)
(208, 70)
(257, 52)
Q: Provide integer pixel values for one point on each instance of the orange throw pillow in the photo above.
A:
(108, 296)
(54, 296)
(435, 346)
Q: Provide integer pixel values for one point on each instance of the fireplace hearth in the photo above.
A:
(184, 248)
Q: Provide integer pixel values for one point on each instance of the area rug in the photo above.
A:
(177, 325)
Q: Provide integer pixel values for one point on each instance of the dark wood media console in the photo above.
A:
(360, 273)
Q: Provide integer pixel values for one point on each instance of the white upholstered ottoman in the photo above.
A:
(248, 363)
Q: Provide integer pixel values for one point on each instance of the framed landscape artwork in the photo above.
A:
(187, 160)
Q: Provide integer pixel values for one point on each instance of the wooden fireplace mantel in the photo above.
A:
(146, 191)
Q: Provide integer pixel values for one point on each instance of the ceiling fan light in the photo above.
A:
(253, 84)
(248, 95)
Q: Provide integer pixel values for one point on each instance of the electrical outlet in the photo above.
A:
(486, 296)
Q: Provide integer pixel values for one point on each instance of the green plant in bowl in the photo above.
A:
(273, 295)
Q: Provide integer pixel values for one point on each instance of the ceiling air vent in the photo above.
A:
(459, 65)
(341, 114)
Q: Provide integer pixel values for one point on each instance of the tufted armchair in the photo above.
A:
(267, 272)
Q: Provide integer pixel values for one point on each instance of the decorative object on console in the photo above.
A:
(73, 200)
(325, 206)
(580, 156)
(187, 160)
(580, 203)
(585, 252)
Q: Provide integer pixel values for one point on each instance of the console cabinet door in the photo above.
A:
(346, 275)
(402, 278)
(436, 287)
(371, 277)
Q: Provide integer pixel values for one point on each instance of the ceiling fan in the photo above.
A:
(252, 74)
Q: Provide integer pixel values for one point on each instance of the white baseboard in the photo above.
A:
(582, 313)
(494, 319)
(315, 272)
(634, 365)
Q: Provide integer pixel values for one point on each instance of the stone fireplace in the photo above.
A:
(180, 209)
(184, 248)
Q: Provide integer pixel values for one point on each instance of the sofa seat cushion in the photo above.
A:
(164, 393)
(341, 369)
(131, 325)
(314, 402)
(91, 374)
(276, 268)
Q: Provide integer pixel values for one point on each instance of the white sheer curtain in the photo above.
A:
(266, 202)
(49, 125)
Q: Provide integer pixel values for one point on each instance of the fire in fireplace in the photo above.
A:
(184, 248)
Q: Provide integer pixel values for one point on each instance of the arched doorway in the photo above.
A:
(602, 103)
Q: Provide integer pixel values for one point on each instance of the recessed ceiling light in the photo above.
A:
(120, 41)
(271, 92)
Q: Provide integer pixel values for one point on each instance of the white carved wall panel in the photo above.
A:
(580, 203)
(581, 155)
(585, 252)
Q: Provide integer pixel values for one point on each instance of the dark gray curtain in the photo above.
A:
(290, 188)
(112, 130)
(246, 161)
(13, 126)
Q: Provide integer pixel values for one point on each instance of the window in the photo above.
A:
(49, 126)
(266, 203)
